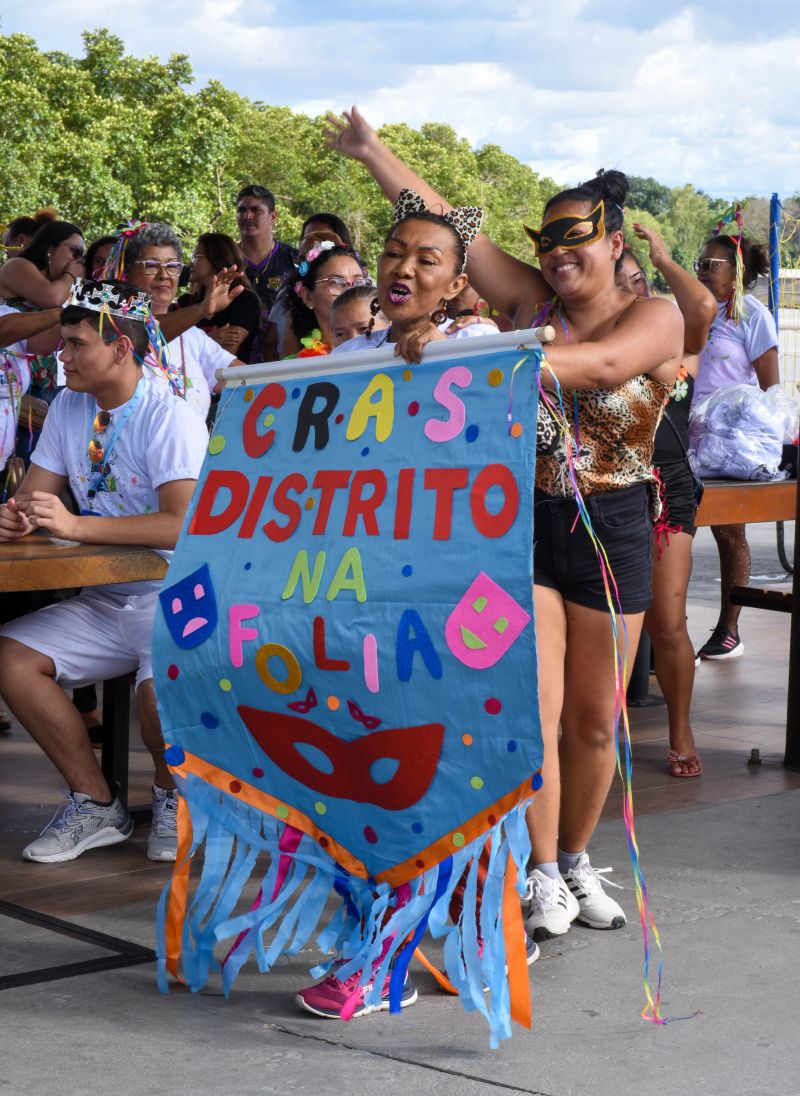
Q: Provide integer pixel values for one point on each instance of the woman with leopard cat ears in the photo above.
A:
(616, 357)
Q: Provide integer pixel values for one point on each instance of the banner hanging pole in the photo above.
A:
(360, 361)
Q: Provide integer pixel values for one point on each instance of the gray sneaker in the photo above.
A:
(79, 825)
(162, 844)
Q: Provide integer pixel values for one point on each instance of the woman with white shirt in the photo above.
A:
(741, 349)
(150, 258)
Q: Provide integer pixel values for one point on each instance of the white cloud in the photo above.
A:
(651, 91)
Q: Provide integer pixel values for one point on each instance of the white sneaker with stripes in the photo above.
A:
(597, 909)
(551, 907)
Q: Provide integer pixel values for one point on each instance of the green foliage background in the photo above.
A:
(107, 136)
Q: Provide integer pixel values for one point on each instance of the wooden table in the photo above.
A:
(37, 563)
(734, 502)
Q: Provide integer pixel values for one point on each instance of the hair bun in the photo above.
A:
(45, 215)
(613, 185)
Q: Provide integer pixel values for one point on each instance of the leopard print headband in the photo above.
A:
(466, 220)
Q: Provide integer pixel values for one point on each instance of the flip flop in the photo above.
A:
(676, 762)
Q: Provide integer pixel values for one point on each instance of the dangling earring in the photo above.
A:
(439, 316)
(374, 309)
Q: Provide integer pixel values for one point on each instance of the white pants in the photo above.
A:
(92, 637)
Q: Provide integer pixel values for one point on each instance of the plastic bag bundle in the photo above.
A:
(739, 432)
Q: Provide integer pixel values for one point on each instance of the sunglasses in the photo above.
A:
(97, 451)
(709, 265)
(77, 252)
(152, 267)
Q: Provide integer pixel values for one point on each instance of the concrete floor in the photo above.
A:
(722, 861)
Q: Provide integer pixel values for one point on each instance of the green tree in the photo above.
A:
(648, 194)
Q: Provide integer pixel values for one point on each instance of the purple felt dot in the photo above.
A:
(208, 719)
(370, 835)
(174, 755)
(512, 746)
(365, 451)
(472, 433)
(493, 706)
(416, 827)
(413, 408)
(537, 781)
(295, 393)
(172, 672)
(408, 570)
(258, 773)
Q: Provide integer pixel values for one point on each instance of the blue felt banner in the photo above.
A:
(346, 639)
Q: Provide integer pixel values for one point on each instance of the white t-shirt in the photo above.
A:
(161, 441)
(198, 357)
(378, 338)
(732, 348)
(15, 380)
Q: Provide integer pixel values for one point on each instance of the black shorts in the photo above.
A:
(565, 559)
(677, 497)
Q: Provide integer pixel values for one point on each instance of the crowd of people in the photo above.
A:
(109, 383)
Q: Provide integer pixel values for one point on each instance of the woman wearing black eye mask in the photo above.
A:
(616, 357)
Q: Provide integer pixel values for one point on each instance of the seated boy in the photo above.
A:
(131, 453)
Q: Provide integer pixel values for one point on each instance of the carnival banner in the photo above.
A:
(346, 672)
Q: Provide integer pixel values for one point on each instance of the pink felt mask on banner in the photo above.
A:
(484, 624)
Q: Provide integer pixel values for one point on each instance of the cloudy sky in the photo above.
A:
(703, 93)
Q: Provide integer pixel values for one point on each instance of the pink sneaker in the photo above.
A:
(330, 996)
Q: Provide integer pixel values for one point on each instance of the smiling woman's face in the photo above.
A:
(584, 268)
(417, 271)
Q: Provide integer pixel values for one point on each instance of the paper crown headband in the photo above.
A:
(466, 220)
(102, 297)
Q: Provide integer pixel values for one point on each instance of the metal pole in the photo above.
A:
(792, 756)
(774, 255)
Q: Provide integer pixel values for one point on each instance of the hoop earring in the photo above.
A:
(374, 309)
(439, 316)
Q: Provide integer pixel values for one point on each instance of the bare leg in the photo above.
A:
(49, 716)
(551, 630)
(665, 622)
(734, 570)
(151, 733)
(587, 720)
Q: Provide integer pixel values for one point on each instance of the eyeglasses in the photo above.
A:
(707, 266)
(152, 267)
(197, 255)
(338, 285)
(96, 450)
(77, 252)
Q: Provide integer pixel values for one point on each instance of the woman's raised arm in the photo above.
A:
(509, 285)
(696, 303)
